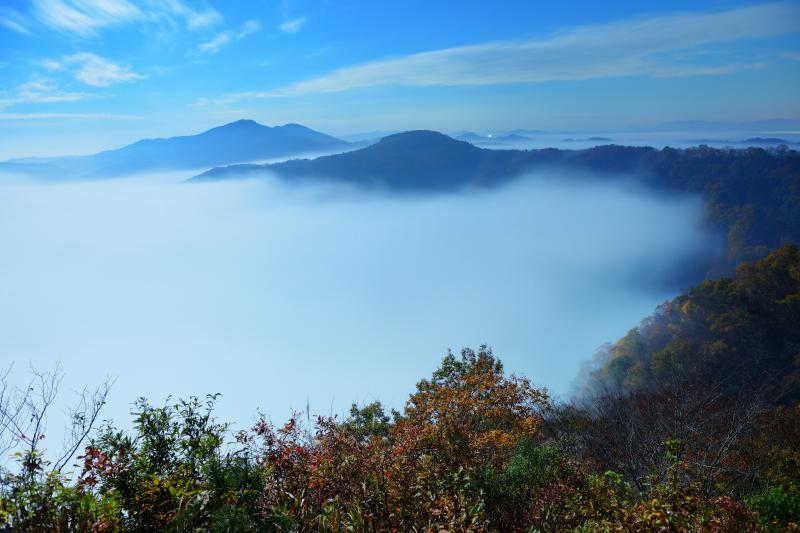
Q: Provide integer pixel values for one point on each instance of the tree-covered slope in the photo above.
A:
(740, 335)
(752, 196)
(416, 160)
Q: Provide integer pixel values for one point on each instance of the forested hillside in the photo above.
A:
(740, 335)
(752, 196)
(697, 428)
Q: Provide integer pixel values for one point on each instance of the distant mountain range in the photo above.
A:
(428, 160)
(589, 139)
(766, 140)
(246, 141)
(526, 133)
(474, 138)
(751, 141)
(237, 142)
(751, 195)
(775, 125)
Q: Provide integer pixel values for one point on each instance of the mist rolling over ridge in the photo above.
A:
(247, 286)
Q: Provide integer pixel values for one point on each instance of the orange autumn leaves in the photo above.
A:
(470, 413)
(419, 470)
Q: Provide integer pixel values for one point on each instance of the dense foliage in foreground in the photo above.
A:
(475, 449)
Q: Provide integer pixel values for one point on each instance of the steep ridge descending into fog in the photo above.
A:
(240, 141)
(739, 333)
(752, 195)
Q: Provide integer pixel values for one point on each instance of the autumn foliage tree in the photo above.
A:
(424, 470)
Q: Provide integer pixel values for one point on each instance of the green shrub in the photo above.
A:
(777, 507)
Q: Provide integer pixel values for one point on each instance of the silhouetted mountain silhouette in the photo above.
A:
(240, 141)
(751, 193)
(411, 160)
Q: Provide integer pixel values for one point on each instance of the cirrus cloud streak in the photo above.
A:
(628, 48)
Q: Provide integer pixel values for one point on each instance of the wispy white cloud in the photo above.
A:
(13, 25)
(195, 19)
(635, 47)
(14, 21)
(51, 65)
(221, 39)
(678, 71)
(85, 17)
(92, 69)
(39, 90)
(792, 56)
(251, 26)
(214, 44)
(292, 25)
(99, 72)
(43, 90)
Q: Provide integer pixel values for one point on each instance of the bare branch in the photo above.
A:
(83, 417)
(24, 413)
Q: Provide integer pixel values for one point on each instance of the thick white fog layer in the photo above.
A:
(275, 296)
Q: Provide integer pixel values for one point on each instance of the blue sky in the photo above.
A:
(82, 75)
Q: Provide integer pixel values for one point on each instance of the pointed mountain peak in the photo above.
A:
(242, 123)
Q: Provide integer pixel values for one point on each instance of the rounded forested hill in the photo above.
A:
(414, 160)
(739, 336)
(751, 196)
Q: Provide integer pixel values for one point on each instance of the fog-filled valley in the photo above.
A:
(278, 294)
(172, 302)
(291, 266)
(643, 300)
